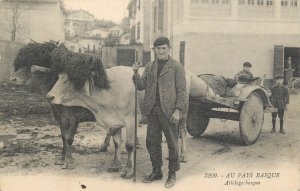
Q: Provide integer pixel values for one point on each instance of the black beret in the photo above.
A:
(279, 76)
(247, 64)
(161, 41)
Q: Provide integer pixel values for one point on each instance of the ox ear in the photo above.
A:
(35, 68)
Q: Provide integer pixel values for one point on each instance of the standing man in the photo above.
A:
(280, 100)
(288, 71)
(165, 103)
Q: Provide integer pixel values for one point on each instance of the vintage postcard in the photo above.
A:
(149, 95)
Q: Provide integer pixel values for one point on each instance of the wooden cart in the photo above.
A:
(248, 108)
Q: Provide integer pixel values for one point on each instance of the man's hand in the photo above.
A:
(135, 67)
(175, 117)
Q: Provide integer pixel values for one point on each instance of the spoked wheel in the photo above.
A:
(251, 118)
(294, 85)
(197, 121)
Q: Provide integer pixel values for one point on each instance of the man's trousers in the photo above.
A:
(158, 123)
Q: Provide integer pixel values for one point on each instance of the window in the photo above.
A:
(225, 1)
(269, 2)
(160, 16)
(214, 1)
(88, 47)
(250, 2)
(194, 1)
(94, 48)
(138, 31)
(154, 18)
(260, 2)
(284, 2)
(294, 3)
(242, 2)
(204, 1)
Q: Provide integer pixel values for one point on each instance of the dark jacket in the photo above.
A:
(280, 96)
(243, 76)
(172, 88)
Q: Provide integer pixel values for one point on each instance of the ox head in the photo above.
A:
(38, 54)
(78, 75)
(35, 78)
(65, 92)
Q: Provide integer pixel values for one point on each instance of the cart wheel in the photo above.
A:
(196, 122)
(251, 118)
(294, 85)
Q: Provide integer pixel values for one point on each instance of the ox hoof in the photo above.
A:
(103, 148)
(127, 173)
(183, 159)
(113, 169)
(68, 165)
(59, 161)
(115, 166)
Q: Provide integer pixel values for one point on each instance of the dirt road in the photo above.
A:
(216, 161)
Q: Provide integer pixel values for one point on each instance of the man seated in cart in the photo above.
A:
(245, 76)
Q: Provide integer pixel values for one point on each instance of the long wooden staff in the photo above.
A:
(135, 122)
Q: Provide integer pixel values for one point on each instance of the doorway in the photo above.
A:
(282, 55)
(294, 54)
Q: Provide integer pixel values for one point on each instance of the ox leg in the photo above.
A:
(105, 144)
(69, 163)
(117, 138)
(183, 153)
(63, 129)
(127, 172)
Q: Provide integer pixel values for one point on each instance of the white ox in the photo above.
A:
(114, 108)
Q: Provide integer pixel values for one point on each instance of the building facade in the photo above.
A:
(77, 22)
(33, 21)
(115, 31)
(217, 36)
(140, 19)
(98, 32)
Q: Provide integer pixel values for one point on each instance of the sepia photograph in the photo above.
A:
(145, 95)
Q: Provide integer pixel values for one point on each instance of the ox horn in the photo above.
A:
(35, 68)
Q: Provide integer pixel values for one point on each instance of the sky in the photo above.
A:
(113, 10)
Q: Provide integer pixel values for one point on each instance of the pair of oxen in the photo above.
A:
(80, 89)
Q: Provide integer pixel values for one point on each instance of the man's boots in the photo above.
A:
(155, 175)
(281, 127)
(171, 179)
(273, 129)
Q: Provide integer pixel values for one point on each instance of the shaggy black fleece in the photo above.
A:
(35, 54)
(79, 67)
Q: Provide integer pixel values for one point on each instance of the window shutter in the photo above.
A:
(161, 15)
(278, 60)
(182, 52)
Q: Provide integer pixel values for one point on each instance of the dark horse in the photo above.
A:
(68, 118)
